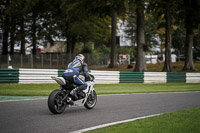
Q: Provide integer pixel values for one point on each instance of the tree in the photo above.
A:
(14, 15)
(12, 33)
(114, 9)
(22, 23)
(168, 67)
(197, 45)
(113, 62)
(13, 18)
(37, 21)
(87, 26)
(163, 10)
(6, 21)
(178, 40)
(34, 8)
(74, 28)
(140, 38)
(192, 10)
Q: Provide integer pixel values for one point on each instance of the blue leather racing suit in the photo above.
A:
(73, 71)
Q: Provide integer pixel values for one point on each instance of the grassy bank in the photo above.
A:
(150, 67)
(187, 121)
(122, 88)
(145, 88)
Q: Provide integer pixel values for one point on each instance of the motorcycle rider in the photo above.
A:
(73, 71)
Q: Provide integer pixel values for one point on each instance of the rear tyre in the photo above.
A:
(91, 100)
(55, 102)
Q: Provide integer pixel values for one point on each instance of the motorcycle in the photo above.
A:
(61, 98)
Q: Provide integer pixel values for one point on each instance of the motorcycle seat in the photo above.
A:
(59, 80)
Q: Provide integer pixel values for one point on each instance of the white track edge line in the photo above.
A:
(18, 100)
(113, 123)
(150, 93)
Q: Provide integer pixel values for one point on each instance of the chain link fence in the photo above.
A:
(49, 61)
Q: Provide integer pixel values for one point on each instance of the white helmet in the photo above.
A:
(80, 57)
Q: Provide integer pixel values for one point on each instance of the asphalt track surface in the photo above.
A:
(33, 116)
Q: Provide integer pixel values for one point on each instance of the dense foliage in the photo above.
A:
(169, 24)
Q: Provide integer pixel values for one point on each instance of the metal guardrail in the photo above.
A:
(131, 77)
(176, 77)
(155, 77)
(106, 77)
(9, 75)
(29, 76)
(192, 77)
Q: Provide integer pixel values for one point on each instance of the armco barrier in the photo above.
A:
(26, 76)
(131, 77)
(192, 77)
(102, 77)
(106, 77)
(60, 72)
(9, 75)
(155, 77)
(176, 77)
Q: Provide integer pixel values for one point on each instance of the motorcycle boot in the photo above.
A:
(74, 93)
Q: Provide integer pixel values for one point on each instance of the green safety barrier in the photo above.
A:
(131, 77)
(176, 77)
(60, 72)
(9, 75)
(12, 76)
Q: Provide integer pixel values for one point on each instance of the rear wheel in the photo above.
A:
(55, 102)
(91, 100)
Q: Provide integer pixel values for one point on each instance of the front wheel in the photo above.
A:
(55, 102)
(91, 100)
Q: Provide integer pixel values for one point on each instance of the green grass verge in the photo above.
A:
(122, 88)
(187, 121)
(27, 89)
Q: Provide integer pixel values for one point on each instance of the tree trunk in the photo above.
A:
(168, 67)
(69, 44)
(73, 45)
(113, 40)
(5, 32)
(5, 37)
(12, 34)
(189, 65)
(140, 39)
(22, 35)
(34, 33)
(69, 49)
(34, 51)
(189, 24)
(178, 54)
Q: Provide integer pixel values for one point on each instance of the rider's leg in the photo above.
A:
(79, 81)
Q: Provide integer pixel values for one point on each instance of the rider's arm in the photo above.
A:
(85, 70)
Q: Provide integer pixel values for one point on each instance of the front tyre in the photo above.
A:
(91, 100)
(55, 102)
